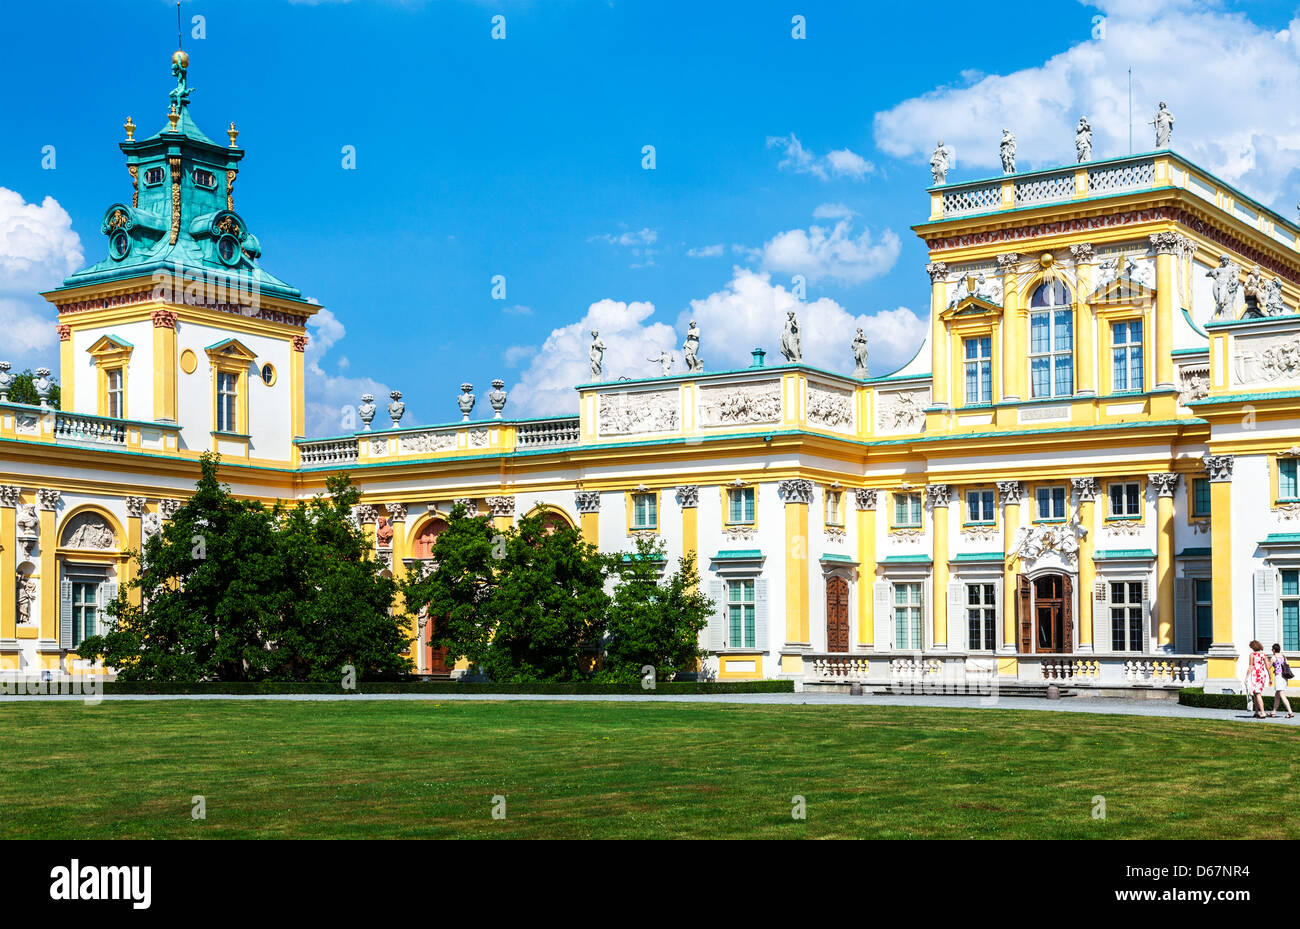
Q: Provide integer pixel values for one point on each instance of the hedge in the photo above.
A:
(1196, 696)
(434, 688)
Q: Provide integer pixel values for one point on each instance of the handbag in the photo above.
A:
(1287, 673)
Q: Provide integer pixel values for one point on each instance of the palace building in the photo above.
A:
(1086, 475)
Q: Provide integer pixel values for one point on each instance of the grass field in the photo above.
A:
(631, 770)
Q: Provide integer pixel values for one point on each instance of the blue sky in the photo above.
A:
(522, 157)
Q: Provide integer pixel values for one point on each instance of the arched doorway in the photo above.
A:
(837, 614)
(434, 659)
(1047, 613)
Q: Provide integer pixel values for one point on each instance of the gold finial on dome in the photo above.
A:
(233, 133)
(173, 117)
(180, 58)
(130, 129)
(1046, 260)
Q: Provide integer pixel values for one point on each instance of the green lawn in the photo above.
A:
(631, 770)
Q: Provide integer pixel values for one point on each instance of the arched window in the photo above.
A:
(424, 539)
(1051, 341)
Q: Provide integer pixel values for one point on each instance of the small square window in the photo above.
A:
(1287, 488)
(1200, 496)
(740, 506)
(979, 506)
(644, 511)
(1125, 499)
(1051, 502)
(907, 510)
(833, 517)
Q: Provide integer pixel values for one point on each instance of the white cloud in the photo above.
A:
(517, 310)
(1229, 83)
(38, 248)
(637, 237)
(748, 312)
(705, 251)
(332, 399)
(839, 163)
(546, 386)
(833, 211)
(836, 253)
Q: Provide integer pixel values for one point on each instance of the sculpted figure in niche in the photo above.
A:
(1226, 284)
(26, 599)
(92, 532)
(383, 533)
(29, 524)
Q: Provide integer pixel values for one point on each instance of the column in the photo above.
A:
(1013, 346)
(135, 509)
(48, 501)
(366, 516)
(797, 495)
(1165, 484)
(865, 498)
(164, 365)
(298, 384)
(1222, 657)
(503, 512)
(588, 505)
(939, 496)
(67, 367)
(8, 569)
(688, 499)
(1085, 370)
(1010, 492)
(402, 551)
(1085, 489)
(938, 335)
(1168, 246)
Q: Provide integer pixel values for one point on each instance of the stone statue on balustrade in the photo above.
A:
(939, 162)
(596, 354)
(691, 349)
(791, 344)
(1083, 140)
(1007, 150)
(1226, 284)
(860, 354)
(1164, 123)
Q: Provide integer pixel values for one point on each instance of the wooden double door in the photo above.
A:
(837, 614)
(1046, 613)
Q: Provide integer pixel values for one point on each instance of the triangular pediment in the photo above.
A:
(1124, 289)
(972, 305)
(109, 345)
(231, 349)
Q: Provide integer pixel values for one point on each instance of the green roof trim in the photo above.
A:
(629, 557)
(1282, 538)
(738, 554)
(1240, 398)
(842, 559)
(1194, 553)
(1108, 553)
(907, 559)
(978, 556)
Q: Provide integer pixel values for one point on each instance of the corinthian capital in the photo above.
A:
(938, 494)
(865, 497)
(1007, 262)
(1219, 468)
(1164, 483)
(1081, 253)
(1011, 491)
(1171, 243)
(936, 270)
(1085, 487)
(796, 491)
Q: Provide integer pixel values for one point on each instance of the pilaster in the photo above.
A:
(1222, 657)
(1010, 493)
(48, 501)
(938, 336)
(688, 499)
(1085, 488)
(1165, 484)
(797, 495)
(9, 497)
(865, 498)
(1013, 351)
(939, 496)
(588, 506)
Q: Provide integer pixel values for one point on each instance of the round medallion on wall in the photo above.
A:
(228, 249)
(119, 245)
(268, 374)
(189, 361)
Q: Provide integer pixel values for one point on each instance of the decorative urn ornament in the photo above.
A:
(497, 397)
(44, 386)
(465, 401)
(6, 380)
(367, 410)
(397, 408)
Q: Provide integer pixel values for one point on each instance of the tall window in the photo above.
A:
(1126, 616)
(1287, 488)
(1051, 341)
(85, 602)
(113, 376)
(833, 517)
(740, 614)
(979, 506)
(907, 615)
(226, 397)
(1051, 502)
(1291, 611)
(1200, 496)
(979, 370)
(1204, 613)
(1126, 499)
(907, 510)
(1126, 355)
(740, 505)
(645, 511)
(981, 613)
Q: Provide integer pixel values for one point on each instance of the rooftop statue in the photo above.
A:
(859, 346)
(691, 349)
(939, 163)
(1253, 291)
(1083, 140)
(1008, 151)
(791, 346)
(1273, 305)
(665, 359)
(1164, 123)
(596, 354)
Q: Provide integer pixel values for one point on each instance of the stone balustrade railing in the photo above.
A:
(76, 427)
(839, 667)
(328, 452)
(548, 433)
(1167, 671)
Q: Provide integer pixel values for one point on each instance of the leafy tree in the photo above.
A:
(337, 605)
(22, 390)
(654, 621)
(208, 582)
(456, 591)
(549, 606)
